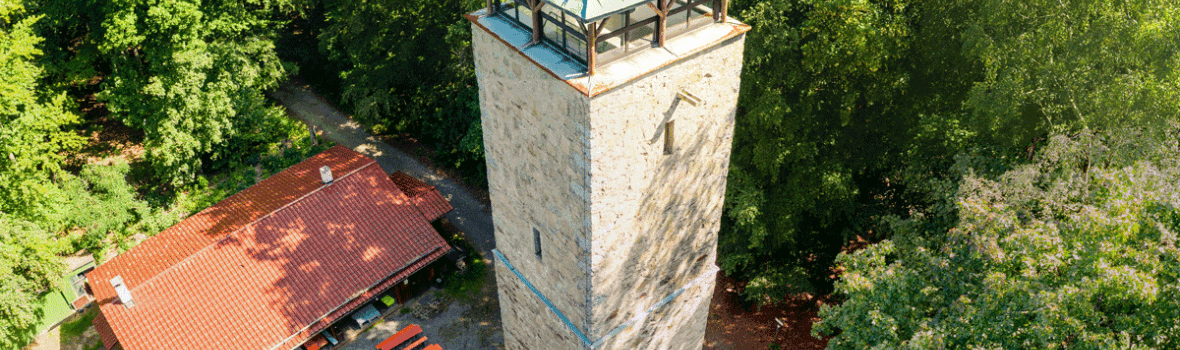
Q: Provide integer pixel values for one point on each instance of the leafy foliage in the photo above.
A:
(1047, 64)
(854, 110)
(28, 265)
(190, 74)
(32, 137)
(407, 67)
(822, 80)
(1076, 249)
(103, 204)
(33, 120)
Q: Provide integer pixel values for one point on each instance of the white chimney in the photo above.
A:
(326, 174)
(124, 294)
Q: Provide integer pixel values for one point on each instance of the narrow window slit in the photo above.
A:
(669, 137)
(537, 242)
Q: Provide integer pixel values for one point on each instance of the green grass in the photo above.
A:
(467, 285)
(71, 332)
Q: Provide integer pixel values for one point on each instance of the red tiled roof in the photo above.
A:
(425, 197)
(271, 265)
(104, 331)
(81, 302)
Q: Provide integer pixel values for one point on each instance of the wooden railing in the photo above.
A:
(592, 34)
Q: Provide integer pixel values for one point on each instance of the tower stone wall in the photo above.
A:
(536, 135)
(628, 231)
(655, 216)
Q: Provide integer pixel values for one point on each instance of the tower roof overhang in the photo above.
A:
(594, 10)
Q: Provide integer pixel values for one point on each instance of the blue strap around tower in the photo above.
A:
(585, 341)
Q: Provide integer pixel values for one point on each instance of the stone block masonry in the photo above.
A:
(628, 231)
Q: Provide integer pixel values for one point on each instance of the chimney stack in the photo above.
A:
(124, 294)
(326, 174)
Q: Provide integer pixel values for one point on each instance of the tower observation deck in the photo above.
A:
(596, 32)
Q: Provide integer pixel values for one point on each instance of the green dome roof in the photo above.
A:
(593, 10)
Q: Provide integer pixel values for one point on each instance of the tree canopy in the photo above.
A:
(189, 74)
(1076, 249)
(854, 110)
(31, 141)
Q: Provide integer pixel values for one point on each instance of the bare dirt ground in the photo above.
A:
(108, 140)
(466, 323)
(732, 326)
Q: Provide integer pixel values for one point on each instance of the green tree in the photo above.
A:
(190, 74)
(408, 68)
(853, 110)
(819, 120)
(1072, 64)
(1074, 250)
(33, 121)
(32, 137)
(28, 265)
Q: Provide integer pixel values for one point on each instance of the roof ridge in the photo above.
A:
(252, 222)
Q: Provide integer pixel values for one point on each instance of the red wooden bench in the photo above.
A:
(401, 337)
(414, 345)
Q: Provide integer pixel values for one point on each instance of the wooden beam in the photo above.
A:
(691, 5)
(591, 47)
(538, 31)
(627, 29)
(592, 32)
(662, 22)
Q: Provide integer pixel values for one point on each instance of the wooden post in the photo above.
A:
(724, 10)
(661, 10)
(627, 34)
(591, 47)
(311, 130)
(592, 34)
(538, 30)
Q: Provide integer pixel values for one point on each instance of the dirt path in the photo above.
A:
(471, 216)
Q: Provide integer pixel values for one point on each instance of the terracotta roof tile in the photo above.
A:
(104, 331)
(424, 196)
(263, 268)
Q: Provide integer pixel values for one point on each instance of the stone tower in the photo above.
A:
(606, 165)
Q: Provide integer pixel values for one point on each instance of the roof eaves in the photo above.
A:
(359, 294)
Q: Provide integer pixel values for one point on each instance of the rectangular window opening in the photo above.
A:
(669, 137)
(537, 242)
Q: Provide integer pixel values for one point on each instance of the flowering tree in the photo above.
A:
(1076, 249)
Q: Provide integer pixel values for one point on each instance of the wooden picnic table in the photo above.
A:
(400, 337)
